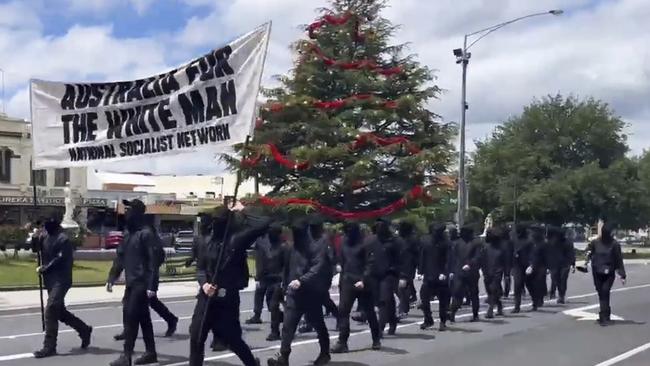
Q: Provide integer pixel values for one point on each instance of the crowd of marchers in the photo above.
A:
(377, 267)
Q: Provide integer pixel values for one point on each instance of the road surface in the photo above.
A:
(557, 336)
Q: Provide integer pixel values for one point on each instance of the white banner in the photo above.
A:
(207, 104)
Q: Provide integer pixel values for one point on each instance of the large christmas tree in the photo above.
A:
(348, 127)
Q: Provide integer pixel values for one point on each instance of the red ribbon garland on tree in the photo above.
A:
(356, 65)
(415, 193)
(338, 103)
(334, 20)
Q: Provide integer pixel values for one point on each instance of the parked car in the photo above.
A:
(184, 240)
(113, 239)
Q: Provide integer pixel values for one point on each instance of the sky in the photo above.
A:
(598, 48)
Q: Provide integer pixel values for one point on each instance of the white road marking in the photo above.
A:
(19, 356)
(580, 314)
(625, 356)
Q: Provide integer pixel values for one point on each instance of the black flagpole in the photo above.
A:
(38, 252)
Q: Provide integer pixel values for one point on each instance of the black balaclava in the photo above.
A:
(300, 233)
(405, 229)
(352, 232)
(220, 221)
(467, 233)
(53, 224)
(437, 232)
(382, 229)
(521, 231)
(316, 228)
(538, 234)
(607, 233)
(275, 234)
(493, 237)
(134, 214)
(205, 226)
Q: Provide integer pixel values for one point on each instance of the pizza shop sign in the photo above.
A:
(49, 201)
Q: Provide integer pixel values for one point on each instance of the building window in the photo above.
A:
(40, 176)
(5, 165)
(61, 177)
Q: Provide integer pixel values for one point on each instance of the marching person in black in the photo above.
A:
(538, 266)
(136, 255)
(409, 259)
(56, 270)
(356, 282)
(494, 265)
(270, 253)
(508, 249)
(606, 259)
(217, 305)
(386, 249)
(434, 265)
(466, 259)
(522, 259)
(561, 258)
(154, 302)
(306, 282)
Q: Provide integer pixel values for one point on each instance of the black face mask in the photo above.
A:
(275, 236)
(383, 230)
(134, 219)
(353, 233)
(52, 227)
(205, 227)
(466, 234)
(607, 234)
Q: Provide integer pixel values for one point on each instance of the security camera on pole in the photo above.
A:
(462, 57)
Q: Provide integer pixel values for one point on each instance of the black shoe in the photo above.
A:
(255, 319)
(258, 362)
(443, 327)
(340, 348)
(146, 359)
(278, 360)
(392, 329)
(561, 300)
(119, 336)
(359, 318)
(376, 345)
(306, 328)
(123, 360)
(490, 313)
(45, 352)
(474, 319)
(552, 297)
(452, 317)
(323, 359)
(171, 328)
(217, 346)
(402, 316)
(274, 336)
(534, 308)
(85, 337)
(426, 324)
(516, 310)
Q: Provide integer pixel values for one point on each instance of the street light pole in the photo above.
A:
(462, 57)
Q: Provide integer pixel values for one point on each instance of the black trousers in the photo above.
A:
(559, 280)
(55, 312)
(494, 289)
(135, 314)
(465, 285)
(440, 290)
(521, 280)
(299, 303)
(506, 283)
(405, 295)
(272, 292)
(222, 317)
(162, 310)
(349, 294)
(603, 283)
(386, 304)
(539, 286)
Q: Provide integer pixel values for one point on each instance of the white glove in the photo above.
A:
(402, 283)
(442, 277)
(529, 270)
(151, 294)
(339, 269)
(359, 285)
(109, 287)
(295, 284)
(466, 268)
(257, 284)
(419, 277)
(451, 276)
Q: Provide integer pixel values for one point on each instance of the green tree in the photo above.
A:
(561, 160)
(370, 176)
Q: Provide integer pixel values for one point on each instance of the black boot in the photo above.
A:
(171, 327)
(392, 329)
(499, 308)
(442, 327)
(123, 360)
(255, 319)
(490, 312)
(273, 336)
(85, 337)
(376, 345)
(119, 336)
(340, 348)
(146, 358)
(305, 328)
(428, 323)
(322, 359)
(475, 318)
(601, 319)
(45, 352)
(561, 300)
(278, 360)
(218, 346)
(452, 316)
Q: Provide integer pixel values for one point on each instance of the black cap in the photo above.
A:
(135, 204)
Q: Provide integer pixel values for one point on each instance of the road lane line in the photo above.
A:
(19, 356)
(625, 356)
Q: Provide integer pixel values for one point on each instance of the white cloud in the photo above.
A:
(96, 6)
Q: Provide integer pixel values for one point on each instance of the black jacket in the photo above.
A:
(522, 253)
(57, 259)
(539, 255)
(466, 253)
(385, 254)
(409, 256)
(309, 265)
(137, 256)
(356, 261)
(494, 260)
(606, 257)
(434, 258)
(233, 270)
(507, 245)
(560, 254)
(269, 260)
